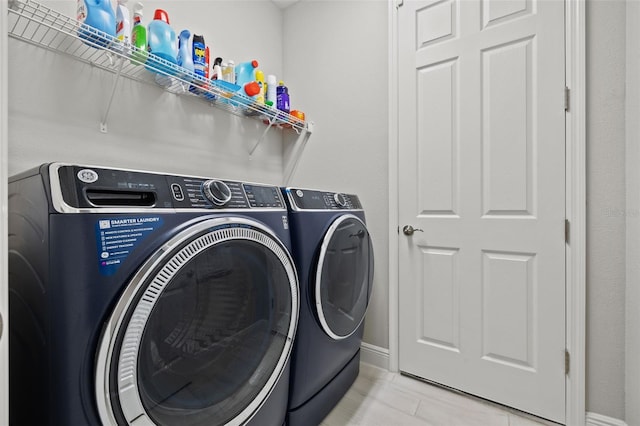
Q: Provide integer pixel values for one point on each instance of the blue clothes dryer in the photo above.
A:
(334, 257)
(145, 298)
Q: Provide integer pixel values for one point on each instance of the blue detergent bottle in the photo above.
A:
(161, 42)
(246, 72)
(185, 57)
(97, 22)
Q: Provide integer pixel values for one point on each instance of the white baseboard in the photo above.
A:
(374, 355)
(594, 419)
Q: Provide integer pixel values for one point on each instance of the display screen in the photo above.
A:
(311, 200)
(262, 196)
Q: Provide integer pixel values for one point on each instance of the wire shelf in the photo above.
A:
(39, 25)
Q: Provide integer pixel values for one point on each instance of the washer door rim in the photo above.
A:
(318, 277)
(141, 282)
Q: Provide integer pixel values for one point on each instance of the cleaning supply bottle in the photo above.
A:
(138, 37)
(216, 72)
(185, 57)
(123, 25)
(271, 89)
(246, 72)
(199, 61)
(282, 102)
(97, 22)
(229, 73)
(207, 57)
(260, 80)
(161, 42)
(199, 55)
(246, 95)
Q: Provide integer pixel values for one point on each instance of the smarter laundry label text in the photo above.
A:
(116, 239)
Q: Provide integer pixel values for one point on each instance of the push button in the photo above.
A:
(176, 190)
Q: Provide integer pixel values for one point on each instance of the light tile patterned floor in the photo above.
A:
(381, 398)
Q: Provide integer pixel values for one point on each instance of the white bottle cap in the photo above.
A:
(231, 63)
(137, 9)
(271, 79)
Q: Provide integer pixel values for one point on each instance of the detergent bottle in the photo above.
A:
(161, 42)
(246, 72)
(247, 94)
(138, 37)
(97, 22)
(282, 102)
(185, 57)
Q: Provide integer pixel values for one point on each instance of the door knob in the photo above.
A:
(409, 230)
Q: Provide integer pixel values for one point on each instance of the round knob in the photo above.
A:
(409, 230)
(217, 192)
(340, 200)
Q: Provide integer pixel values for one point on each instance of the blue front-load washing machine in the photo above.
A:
(334, 257)
(148, 299)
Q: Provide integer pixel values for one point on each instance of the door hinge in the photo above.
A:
(567, 362)
(399, 4)
(567, 98)
(567, 230)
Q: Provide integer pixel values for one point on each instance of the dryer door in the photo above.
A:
(203, 331)
(344, 277)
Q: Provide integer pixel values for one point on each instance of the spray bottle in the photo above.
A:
(138, 37)
(123, 25)
(217, 69)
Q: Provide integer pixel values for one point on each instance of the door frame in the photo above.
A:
(4, 274)
(575, 197)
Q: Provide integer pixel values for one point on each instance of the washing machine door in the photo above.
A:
(344, 276)
(203, 331)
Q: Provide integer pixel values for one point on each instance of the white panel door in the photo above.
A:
(482, 178)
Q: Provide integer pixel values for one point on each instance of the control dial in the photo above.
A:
(217, 192)
(340, 200)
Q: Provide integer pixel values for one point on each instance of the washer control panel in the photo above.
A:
(308, 199)
(93, 187)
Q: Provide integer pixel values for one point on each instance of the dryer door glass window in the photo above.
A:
(344, 277)
(213, 328)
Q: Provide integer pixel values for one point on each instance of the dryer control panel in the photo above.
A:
(81, 187)
(308, 199)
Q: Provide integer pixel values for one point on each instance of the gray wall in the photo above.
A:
(606, 207)
(632, 358)
(336, 56)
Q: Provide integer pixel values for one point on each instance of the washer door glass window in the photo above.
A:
(344, 277)
(209, 332)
